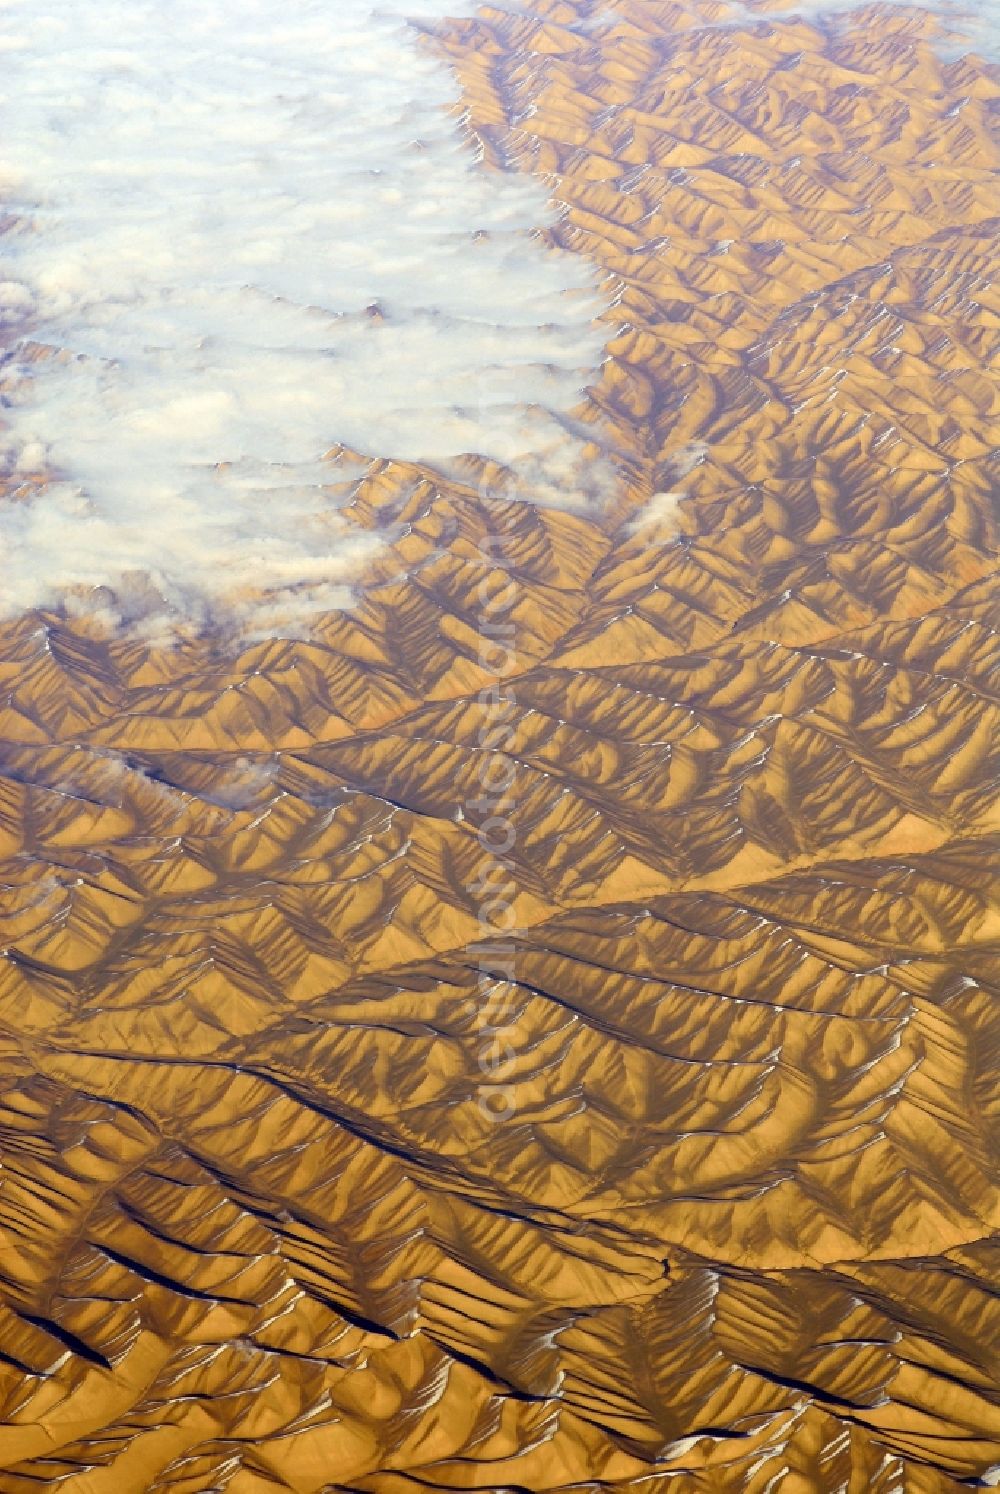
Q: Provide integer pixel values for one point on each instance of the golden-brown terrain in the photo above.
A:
(735, 1232)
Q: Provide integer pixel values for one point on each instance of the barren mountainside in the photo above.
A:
(259, 1232)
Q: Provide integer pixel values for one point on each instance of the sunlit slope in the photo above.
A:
(736, 1236)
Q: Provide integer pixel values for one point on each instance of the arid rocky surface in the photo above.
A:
(735, 1234)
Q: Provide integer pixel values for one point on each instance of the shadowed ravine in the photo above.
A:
(736, 1230)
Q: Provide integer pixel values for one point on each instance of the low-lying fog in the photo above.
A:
(248, 231)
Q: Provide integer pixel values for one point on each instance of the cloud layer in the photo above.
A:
(244, 232)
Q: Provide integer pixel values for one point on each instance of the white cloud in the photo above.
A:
(210, 195)
(659, 513)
